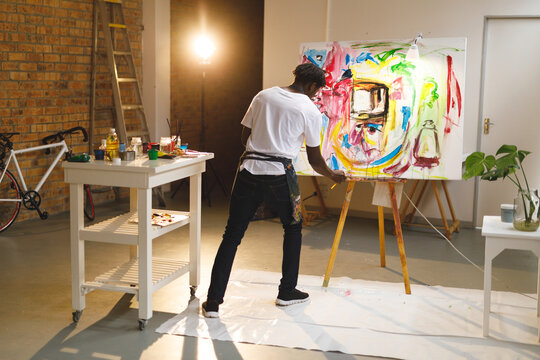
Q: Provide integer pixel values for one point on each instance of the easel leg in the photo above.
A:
(381, 236)
(439, 203)
(324, 212)
(455, 221)
(305, 216)
(339, 230)
(409, 217)
(411, 195)
(399, 235)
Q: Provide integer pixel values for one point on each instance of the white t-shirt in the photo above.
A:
(280, 120)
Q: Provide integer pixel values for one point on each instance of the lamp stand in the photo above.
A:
(206, 189)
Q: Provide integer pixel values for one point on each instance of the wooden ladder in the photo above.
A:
(126, 88)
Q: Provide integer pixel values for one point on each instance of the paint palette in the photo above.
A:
(159, 218)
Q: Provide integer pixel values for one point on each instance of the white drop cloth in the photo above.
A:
(368, 318)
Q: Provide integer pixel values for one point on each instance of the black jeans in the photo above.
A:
(248, 193)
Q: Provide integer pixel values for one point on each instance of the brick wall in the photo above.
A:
(232, 79)
(45, 69)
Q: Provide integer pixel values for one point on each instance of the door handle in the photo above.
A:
(487, 124)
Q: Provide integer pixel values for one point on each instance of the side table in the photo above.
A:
(500, 236)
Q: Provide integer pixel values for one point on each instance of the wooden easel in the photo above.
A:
(310, 215)
(407, 218)
(397, 223)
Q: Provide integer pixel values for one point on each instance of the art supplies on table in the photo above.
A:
(159, 218)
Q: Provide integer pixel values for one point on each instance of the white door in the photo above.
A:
(512, 102)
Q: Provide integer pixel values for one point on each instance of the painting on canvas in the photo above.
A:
(387, 115)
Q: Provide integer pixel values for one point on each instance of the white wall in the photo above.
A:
(288, 23)
(156, 44)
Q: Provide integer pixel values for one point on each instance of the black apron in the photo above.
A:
(290, 174)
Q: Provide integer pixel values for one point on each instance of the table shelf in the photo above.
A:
(125, 278)
(119, 230)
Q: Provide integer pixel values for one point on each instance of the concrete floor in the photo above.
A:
(35, 305)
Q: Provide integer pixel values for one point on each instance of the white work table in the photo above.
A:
(500, 236)
(142, 274)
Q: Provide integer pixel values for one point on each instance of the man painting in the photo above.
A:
(276, 124)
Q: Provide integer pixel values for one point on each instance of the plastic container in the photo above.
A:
(152, 154)
(165, 144)
(99, 154)
(136, 144)
(507, 212)
(112, 145)
(127, 155)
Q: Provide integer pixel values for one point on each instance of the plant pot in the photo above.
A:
(526, 215)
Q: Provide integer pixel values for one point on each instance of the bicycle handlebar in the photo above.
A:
(8, 135)
(60, 136)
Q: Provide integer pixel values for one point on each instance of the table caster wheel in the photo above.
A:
(192, 290)
(142, 323)
(76, 315)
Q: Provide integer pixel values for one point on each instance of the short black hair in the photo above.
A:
(309, 73)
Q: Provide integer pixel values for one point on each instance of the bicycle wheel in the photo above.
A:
(88, 203)
(10, 200)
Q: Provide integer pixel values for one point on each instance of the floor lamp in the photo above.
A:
(205, 48)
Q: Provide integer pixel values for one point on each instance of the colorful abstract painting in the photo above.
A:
(386, 115)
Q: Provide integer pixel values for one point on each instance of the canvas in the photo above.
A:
(389, 116)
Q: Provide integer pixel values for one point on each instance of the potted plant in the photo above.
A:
(505, 165)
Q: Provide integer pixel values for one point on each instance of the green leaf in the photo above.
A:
(504, 172)
(507, 149)
(491, 168)
(522, 154)
(473, 170)
(489, 162)
(474, 165)
(506, 161)
(490, 176)
(475, 157)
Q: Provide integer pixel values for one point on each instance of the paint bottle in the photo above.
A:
(426, 147)
(112, 145)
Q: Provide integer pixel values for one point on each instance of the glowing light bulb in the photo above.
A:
(204, 47)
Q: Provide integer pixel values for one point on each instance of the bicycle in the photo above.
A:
(12, 195)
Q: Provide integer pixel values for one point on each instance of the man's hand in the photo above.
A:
(338, 176)
(319, 165)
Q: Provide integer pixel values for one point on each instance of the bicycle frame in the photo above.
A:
(13, 156)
